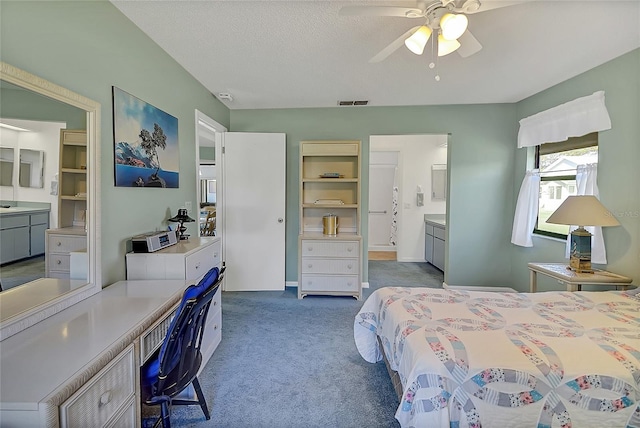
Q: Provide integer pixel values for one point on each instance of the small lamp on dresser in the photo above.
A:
(181, 218)
(582, 211)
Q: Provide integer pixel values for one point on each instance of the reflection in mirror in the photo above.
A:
(26, 97)
(6, 166)
(31, 171)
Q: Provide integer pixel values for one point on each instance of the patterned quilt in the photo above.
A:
(482, 359)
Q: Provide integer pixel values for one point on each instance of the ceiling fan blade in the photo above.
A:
(393, 46)
(496, 4)
(404, 12)
(468, 44)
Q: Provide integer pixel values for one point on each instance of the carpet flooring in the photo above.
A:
(285, 362)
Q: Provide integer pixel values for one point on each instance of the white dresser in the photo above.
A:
(79, 367)
(330, 265)
(59, 244)
(188, 260)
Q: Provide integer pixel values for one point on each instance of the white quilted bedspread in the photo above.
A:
(482, 359)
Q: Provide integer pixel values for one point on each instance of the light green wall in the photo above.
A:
(88, 47)
(21, 104)
(481, 155)
(618, 172)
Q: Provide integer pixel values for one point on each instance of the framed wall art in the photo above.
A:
(146, 152)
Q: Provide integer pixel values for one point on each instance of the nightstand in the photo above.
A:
(574, 280)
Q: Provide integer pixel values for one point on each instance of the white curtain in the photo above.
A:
(526, 210)
(572, 119)
(586, 183)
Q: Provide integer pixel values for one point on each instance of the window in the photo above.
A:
(557, 163)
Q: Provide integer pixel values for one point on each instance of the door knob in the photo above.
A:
(280, 220)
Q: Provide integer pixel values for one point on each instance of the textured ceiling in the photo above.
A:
(295, 54)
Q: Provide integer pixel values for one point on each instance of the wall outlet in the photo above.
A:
(188, 206)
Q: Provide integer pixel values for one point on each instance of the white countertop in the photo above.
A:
(22, 210)
(38, 360)
(437, 219)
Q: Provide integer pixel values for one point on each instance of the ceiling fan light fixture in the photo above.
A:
(453, 25)
(445, 47)
(418, 40)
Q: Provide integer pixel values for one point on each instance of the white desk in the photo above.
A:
(43, 366)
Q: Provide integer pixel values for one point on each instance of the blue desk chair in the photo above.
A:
(179, 359)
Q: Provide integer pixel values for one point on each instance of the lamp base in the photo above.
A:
(580, 254)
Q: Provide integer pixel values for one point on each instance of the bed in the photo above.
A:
(472, 359)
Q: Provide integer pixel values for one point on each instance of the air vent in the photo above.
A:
(353, 103)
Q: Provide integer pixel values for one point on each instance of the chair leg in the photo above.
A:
(165, 414)
(201, 400)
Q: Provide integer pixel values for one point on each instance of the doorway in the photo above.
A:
(403, 163)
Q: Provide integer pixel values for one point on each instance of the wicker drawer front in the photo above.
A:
(60, 262)
(128, 417)
(103, 396)
(334, 266)
(338, 284)
(66, 244)
(330, 249)
(153, 337)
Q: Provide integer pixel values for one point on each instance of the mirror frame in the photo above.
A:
(33, 314)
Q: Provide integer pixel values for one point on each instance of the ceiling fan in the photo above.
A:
(445, 20)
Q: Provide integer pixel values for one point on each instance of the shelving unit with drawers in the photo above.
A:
(72, 180)
(330, 184)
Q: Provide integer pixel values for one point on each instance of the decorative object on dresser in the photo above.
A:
(181, 218)
(171, 375)
(582, 211)
(330, 254)
(140, 131)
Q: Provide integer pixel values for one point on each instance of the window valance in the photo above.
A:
(571, 119)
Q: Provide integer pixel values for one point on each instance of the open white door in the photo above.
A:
(254, 173)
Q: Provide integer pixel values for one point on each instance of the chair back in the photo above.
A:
(179, 357)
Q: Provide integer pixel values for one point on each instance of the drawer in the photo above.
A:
(59, 262)
(330, 248)
(334, 266)
(151, 339)
(198, 263)
(103, 396)
(428, 229)
(40, 218)
(212, 331)
(127, 418)
(346, 283)
(8, 222)
(439, 233)
(66, 243)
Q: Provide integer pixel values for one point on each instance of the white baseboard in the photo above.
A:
(365, 285)
(478, 288)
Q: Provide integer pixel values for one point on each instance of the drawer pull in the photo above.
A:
(59, 262)
(215, 255)
(309, 265)
(349, 249)
(215, 326)
(105, 398)
(197, 265)
(310, 249)
(215, 302)
(59, 243)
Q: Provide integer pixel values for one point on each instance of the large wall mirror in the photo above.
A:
(23, 94)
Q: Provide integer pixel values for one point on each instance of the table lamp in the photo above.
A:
(181, 218)
(582, 211)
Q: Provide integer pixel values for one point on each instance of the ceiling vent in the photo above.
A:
(353, 103)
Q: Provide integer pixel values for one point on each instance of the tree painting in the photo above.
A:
(146, 149)
(151, 142)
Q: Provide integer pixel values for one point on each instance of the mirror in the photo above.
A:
(31, 172)
(439, 182)
(26, 304)
(6, 166)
